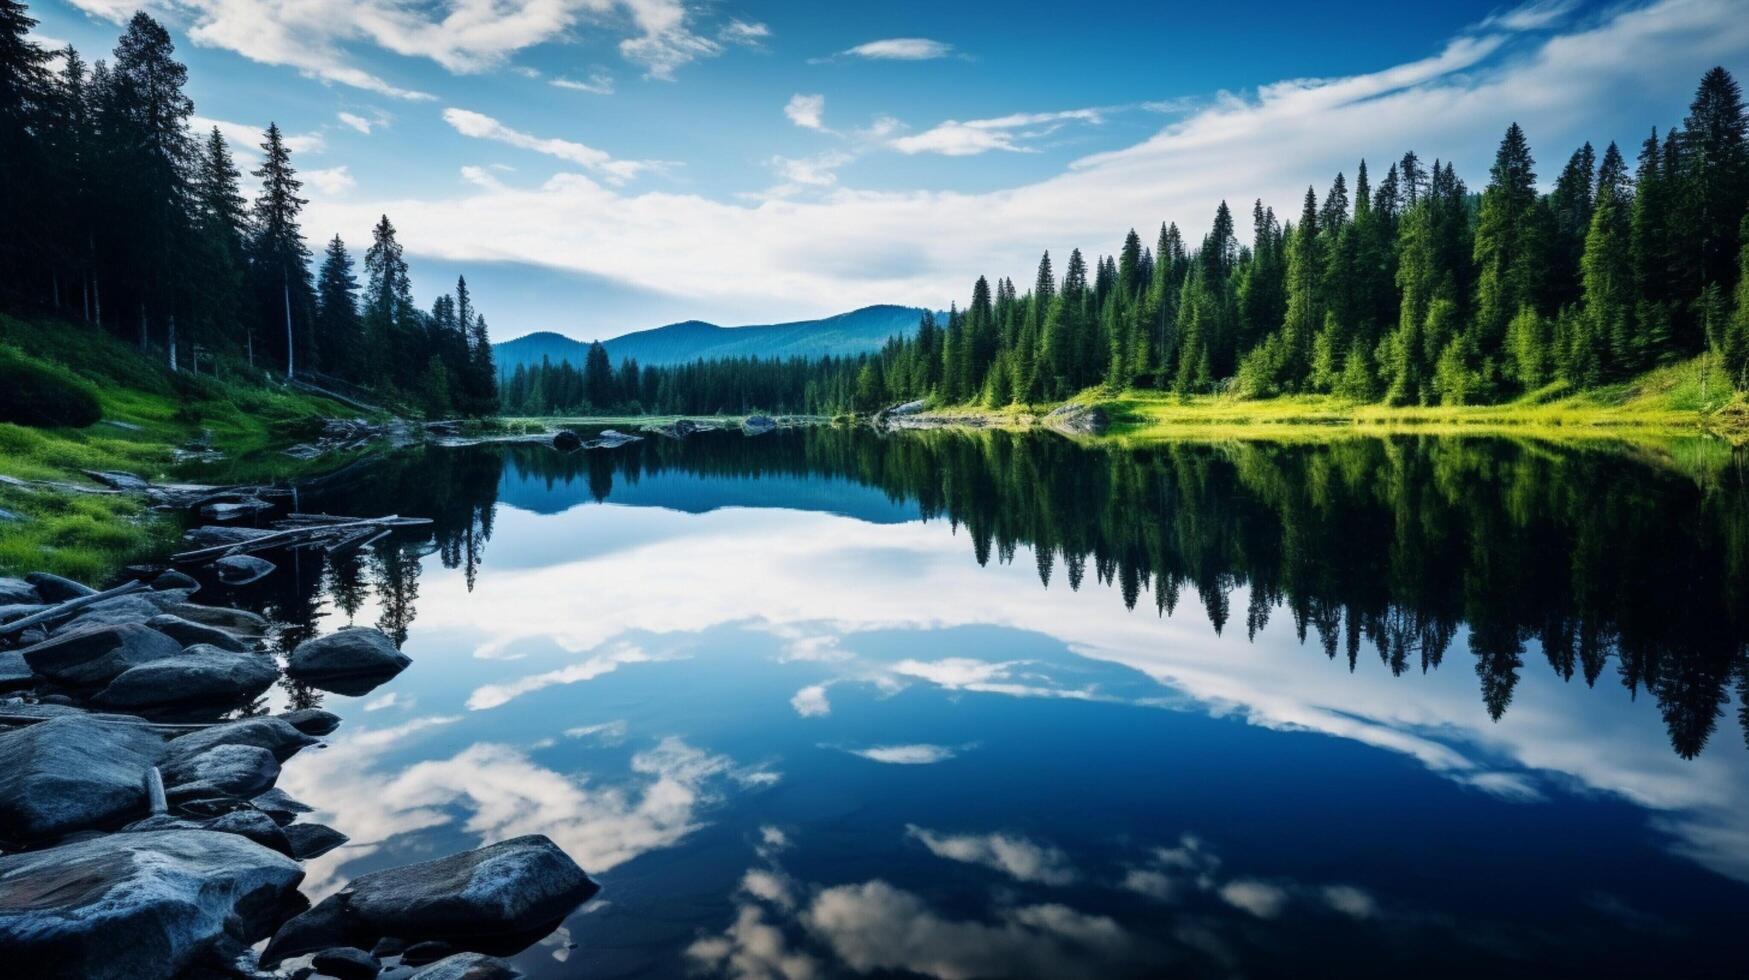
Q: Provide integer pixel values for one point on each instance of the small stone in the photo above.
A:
(258, 827)
(238, 622)
(566, 441)
(14, 672)
(312, 721)
(429, 951)
(272, 734)
(240, 570)
(279, 805)
(351, 660)
(346, 963)
(16, 591)
(312, 840)
(173, 579)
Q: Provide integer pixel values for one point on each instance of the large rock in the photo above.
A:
(224, 771)
(188, 632)
(346, 963)
(257, 826)
(566, 441)
(511, 892)
(241, 622)
(137, 906)
(272, 734)
(173, 579)
(73, 773)
(279, 805)
(203, 675)
(53, 588)
(93, 657)
(18, 592)
(121, 610)
(1078, 419)
(756, 425)
(468, 966)
(345, 660)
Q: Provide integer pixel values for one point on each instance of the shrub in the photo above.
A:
(39, 396)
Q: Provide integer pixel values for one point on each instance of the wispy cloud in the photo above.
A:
(1014, 856)
(599, 82)
(959, 139)
(906, 755)
(806, 111)
(899, 49)
(481, 126)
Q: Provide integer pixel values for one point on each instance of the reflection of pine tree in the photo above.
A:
(396, 571)
(346, 583)
(300, 696)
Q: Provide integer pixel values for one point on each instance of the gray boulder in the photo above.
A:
(272, 734)
(139, 906)
(239, 622)
(53, 588)
(123, 609)
(255, 825)
(429, 951)
(203, 675)
(312, 721)
(346, 963)
(514, 891)
(227, 771)
(312, 840)
(173, 579)
(18, 610)
(95, 656)
(566, 441)
(240, 570)
(73, 773)
(356, 654)
(188, 633)
(468, 966)
(611, 439)
(16, 591)
(758, 424)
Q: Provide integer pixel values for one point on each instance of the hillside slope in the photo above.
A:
(856, 332)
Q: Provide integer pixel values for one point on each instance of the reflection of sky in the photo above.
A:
(657, 690)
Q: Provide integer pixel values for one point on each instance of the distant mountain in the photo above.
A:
(855, 332)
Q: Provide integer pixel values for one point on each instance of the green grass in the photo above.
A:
(246, 416)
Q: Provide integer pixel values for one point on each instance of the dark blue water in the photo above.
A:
(823, 703)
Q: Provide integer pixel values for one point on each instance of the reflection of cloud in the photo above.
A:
(1259, 898)
(810, 701)
(506, 795)
(752, 949)
(875, 926)
(1172, 874)
(787, 567)
(1016, 857)
(905, 755)
(768, 886)
(494, 695)
(607, 732)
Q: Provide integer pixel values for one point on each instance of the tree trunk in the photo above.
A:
(285, 286)
(97, 300)
(85, 294)
(172, 341)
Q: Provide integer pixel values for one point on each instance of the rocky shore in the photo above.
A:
(142, 837)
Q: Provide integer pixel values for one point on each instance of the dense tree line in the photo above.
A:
(728, 386)
(117, 214)
(1411, 290)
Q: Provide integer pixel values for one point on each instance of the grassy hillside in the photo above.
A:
(146, 411)
(856, 332)
(1689, 397)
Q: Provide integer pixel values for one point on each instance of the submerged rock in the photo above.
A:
(468, 966)
(312, 840)
(173, 579)
(18, 592)
(1079, 419)
(758, 424)
(230, 510)
(238, 570)
(94, 656)
(611, 439)
(312, 721)
(203, 675)
(189, 633)
(73, 773)
(230, 771)
(510, 892)
(138, 906)
(566, 441)
(352, 659)
(346, 963)
(53, 588)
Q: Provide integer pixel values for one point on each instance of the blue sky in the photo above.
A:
(600, 166)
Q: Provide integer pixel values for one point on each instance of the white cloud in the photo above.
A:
(1532, 16)
(496, 695)
(353, 120)
(481, 126)
(1260, 898)
(1016, 857)
(744, 33)
(958, 139)
(905, 755)
(331, 181)
(851, 247)
(607, 732)
(245, 139)
(599, 82)
(900, 49)
(805, 110)
(810, 701)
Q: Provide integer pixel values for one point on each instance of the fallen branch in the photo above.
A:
(294, 536)
(70, 606)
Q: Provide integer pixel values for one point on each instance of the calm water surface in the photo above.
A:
(824, 703)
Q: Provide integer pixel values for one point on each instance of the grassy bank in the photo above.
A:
(146, 411)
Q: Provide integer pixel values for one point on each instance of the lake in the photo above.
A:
(825, 702)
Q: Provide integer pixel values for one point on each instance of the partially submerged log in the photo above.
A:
(67, 608)
(297, 535)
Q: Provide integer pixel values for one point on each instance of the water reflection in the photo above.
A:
(824, 702)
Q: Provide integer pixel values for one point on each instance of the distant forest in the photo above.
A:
(116, 214)
(1410, 290)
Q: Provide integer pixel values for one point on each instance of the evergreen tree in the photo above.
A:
(280, 259)
(389, 316)
(1507, 239)
(1715, 177)
(24, 101)
(339, 331)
